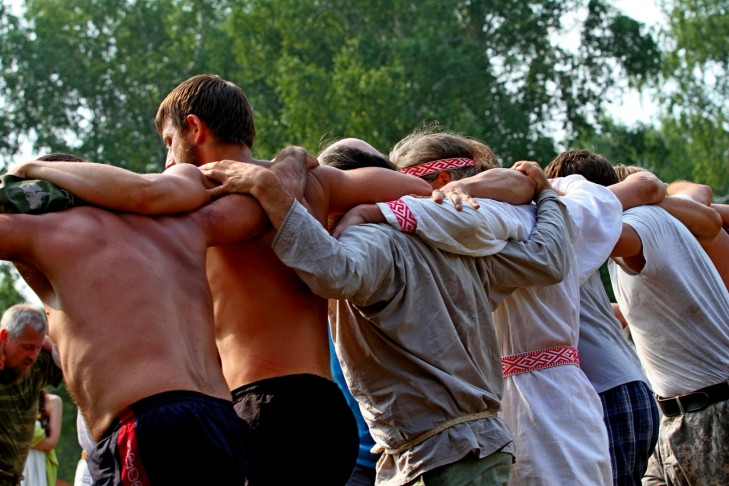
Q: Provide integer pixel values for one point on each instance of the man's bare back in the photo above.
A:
(268, 323)
(130, 312)
(118, 297)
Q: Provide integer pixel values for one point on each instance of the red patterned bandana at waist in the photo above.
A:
(437, 166)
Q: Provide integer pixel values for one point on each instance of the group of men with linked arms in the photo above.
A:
(192, 309)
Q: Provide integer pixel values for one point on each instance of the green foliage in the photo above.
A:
(94, 72)
(695, 107)
(87, 76)
(9, 296)
(605, 277)
(678, 149)
(68, 449)
(485, 68)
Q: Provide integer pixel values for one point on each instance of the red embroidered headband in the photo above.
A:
(437, 166)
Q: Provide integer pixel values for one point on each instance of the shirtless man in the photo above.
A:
(130, 312)
(415, 335)
(271, 331)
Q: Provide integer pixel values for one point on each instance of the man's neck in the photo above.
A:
(215, 153)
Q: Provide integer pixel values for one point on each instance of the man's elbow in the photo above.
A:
(704, 194)
(714, 224)
(559, 272)
(654, 190)
(555, 267)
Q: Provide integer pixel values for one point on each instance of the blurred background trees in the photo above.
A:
(529, 77)
(87, 76)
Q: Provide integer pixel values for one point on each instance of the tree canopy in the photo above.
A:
(87, 76)
(691, 139)
(9, 296)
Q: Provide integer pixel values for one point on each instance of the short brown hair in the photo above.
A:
(61, 157)
(593, 167)
(221, 104)
(624, 171)
(426, 145)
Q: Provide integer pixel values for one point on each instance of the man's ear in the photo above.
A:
(3, 334)
(444, 178)
(197, 129)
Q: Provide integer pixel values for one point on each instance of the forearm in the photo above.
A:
(702, 221)
(84, 179)
(362, 214)
(273, 197)
(179, 190)
(639, 189)
(367, 185)
(46, 444)
(500, 184)
(698, 192)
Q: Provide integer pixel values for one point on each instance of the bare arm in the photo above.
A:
(506, 185)
(364, 213)
(16, 237)
(349, 188)
(231, 219)
(336, 190)
(698, 192)
(639, 189)
(723, 210)
(702, 221)
(630, 248)
(179, 189)
(54, 408)
(619, 314)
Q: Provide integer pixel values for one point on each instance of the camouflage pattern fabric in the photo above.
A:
(693, 449)
(33, 196)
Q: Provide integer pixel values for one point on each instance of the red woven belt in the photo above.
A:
(540, 359)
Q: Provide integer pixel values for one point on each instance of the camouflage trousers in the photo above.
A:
(693, 449)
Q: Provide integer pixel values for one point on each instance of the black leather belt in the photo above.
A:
(694, 401)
